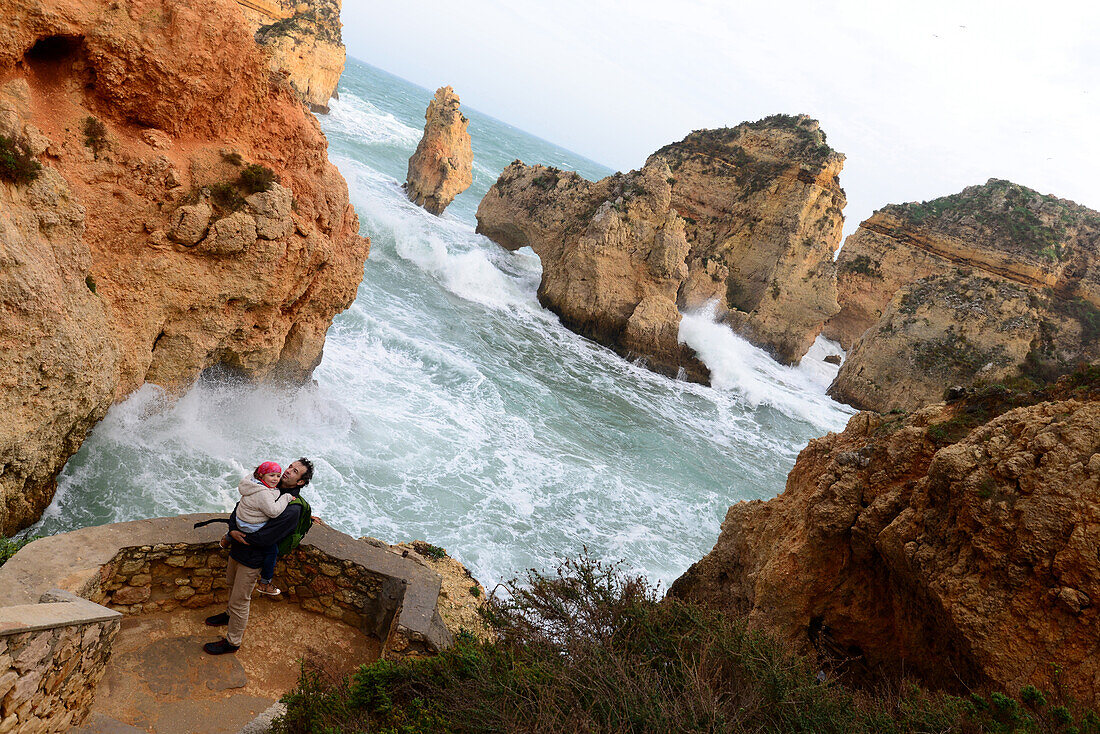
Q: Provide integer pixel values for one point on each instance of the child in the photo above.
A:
(260, 502)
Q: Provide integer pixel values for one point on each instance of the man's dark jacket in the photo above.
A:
(259, 542)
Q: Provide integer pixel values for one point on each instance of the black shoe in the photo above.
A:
(220, 647)
(218, 619)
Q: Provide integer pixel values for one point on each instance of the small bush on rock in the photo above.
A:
(95, 135)
(588, 647)
(256, 178)
(17, 165)
(10, 546)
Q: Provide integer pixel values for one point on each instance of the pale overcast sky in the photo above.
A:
(923, 98)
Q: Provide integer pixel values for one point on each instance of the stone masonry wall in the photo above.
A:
(52, 656)
(166, 576)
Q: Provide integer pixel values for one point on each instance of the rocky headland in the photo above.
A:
(986, 285)
(747, 217)
(172, 209)
(957, 544)
(441, 168)
(303, 41)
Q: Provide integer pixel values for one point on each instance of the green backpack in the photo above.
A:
(305, 522)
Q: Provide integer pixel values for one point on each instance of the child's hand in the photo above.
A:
(224, 542)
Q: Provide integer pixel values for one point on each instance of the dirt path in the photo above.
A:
(159, 680)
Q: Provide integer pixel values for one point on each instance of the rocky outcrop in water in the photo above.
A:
(303, 42)
(981, 286)
(612, 255)
(747, 217)
(942, 544)
(764, 213)
(442, 166)
(147, 249)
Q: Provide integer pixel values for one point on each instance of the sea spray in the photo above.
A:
(451, 407)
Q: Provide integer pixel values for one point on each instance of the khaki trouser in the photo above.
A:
(242, 580)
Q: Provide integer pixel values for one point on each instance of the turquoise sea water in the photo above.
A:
(451, 407)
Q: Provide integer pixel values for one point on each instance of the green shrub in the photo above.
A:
(95, 135)
(256, 178)
(10, 546)
(590, 648)
(225, 197)
(17, 165)
(431, 551)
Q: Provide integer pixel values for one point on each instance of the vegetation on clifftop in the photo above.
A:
(589, 648)
(724, 148)
(1010, 213)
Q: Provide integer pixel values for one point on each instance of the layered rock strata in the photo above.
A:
(895, 550)
(764, 212)
(612, 255)
(747, 218)
(984, 285)
(139, 254)
(303, 41)
(441, 168)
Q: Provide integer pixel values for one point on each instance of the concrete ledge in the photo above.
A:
(75, 562)
(58, 608)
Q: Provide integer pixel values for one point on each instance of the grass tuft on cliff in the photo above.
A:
(10, 546)
(17, 165)
(591, 648)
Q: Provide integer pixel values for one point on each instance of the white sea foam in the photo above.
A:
(740, 367)
(361, 120)
(450, 406)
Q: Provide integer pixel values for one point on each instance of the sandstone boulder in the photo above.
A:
(442, 166)
(984, 285)
(113, 290)
(894, 550)
(230, 235)
(271, 210)
(190, 223)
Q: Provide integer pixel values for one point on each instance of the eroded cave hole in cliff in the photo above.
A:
(53, 58)
(54, 49)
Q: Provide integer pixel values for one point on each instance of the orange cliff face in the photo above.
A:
(934, 545)
(139, 254)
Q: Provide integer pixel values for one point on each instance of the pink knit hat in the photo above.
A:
(268, 467)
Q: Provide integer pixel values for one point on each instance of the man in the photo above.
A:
(246, 556)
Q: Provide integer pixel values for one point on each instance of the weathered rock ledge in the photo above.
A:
(748, 217)
(147, 249)
(981, 286)
(303, 41)
(934, 544)
(441, 168)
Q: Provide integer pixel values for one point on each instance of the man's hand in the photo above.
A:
(238, 536)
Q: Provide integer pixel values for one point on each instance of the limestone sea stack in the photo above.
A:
(183, 216)
(764, 213)
(747, 218)
(985, 285)
(442, 166)
(302, 40)
(940, 545)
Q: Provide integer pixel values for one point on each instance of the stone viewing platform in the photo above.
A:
(122, 606)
